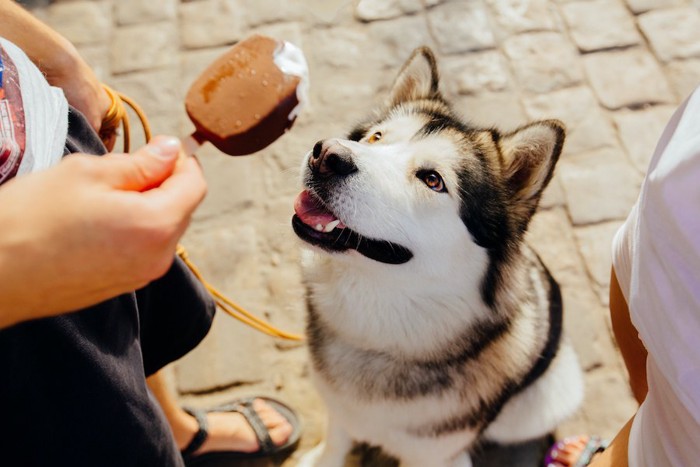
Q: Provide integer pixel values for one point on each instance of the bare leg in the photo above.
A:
(228, 431)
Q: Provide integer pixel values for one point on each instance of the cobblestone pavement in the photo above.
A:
(612, 70)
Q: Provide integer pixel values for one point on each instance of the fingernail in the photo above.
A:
(164, 146)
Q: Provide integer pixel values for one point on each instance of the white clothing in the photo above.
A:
(656, 256)
(45, 114)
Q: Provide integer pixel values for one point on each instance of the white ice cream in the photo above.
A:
(291, 61)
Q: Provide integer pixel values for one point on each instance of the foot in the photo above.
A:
(230, 431)
(568, 452)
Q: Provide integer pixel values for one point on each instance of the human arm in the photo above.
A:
(633, 351)
(57, 58)
(634, 355)
(92, 228)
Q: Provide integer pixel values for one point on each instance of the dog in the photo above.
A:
(431, 325)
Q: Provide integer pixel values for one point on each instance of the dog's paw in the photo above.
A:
(311, 458)
(463, 460)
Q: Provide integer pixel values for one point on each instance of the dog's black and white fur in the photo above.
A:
(431, 323)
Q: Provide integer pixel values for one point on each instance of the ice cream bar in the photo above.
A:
(249, 96)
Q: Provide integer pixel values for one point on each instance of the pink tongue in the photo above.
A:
(310, 210)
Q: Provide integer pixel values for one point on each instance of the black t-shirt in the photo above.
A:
(72, 387)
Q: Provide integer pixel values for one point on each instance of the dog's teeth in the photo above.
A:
(331, 225)
(319, 227)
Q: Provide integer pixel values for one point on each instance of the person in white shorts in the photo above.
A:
(655, 305)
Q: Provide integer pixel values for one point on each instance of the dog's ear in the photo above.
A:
(529, 156)
(418, 79)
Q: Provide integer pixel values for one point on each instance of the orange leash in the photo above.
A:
(117, 115)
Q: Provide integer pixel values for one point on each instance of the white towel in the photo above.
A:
(45, 114)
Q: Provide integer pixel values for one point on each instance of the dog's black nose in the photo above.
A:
(329, 158)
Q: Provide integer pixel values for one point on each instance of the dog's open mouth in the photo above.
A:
(315, 224)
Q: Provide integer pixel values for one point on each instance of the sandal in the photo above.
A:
(227, 458)
(594, 445)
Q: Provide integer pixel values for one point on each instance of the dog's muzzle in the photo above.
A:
(331, 161)
(330, 158)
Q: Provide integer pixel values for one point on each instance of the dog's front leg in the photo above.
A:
(462, 460)
(330, 453)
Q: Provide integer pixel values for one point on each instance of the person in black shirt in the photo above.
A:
(92, 299)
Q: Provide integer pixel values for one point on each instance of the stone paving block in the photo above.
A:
(259, 12)
(587, 126)
(372, 10)
(345, 48)
(210, 23)
(461, 27)
(194, 62)
(600, 24)
(224, 358)
(476, 72)
(392, 42)
(287, 297)
(551, 236)
(234, 183)
(599, 186)
(543, 62)
(228, 256)
(281, 179)
(640, 131)
(553, 195)
(672, 33)
(138, 11)
(156, 91)
(518, 16)
(323, 12)
(640, 6)
(143, 47)
(291, 32)
(82, 22)
(595, 245)
(97, 56)
(281, 242)
(608, 404)
(585, 322)
(684, 76)
(358, 89)
(627, 78)
(499, 109)
(166, 124)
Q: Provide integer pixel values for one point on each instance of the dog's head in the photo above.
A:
(417, 185)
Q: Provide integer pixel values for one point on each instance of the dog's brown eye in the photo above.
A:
(375, 137)
(433, 180)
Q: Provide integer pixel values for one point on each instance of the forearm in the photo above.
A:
(58, 60)
(52, 53)
(633, 351)
(92, 228)
(635, 356)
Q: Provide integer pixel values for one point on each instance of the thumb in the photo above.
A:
(149, 166)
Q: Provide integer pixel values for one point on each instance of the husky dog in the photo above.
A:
(431, 323)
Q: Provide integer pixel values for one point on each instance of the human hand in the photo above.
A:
(92, 228)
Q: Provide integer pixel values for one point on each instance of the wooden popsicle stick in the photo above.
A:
(190, 145)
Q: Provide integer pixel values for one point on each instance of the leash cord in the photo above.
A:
(117, 115)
